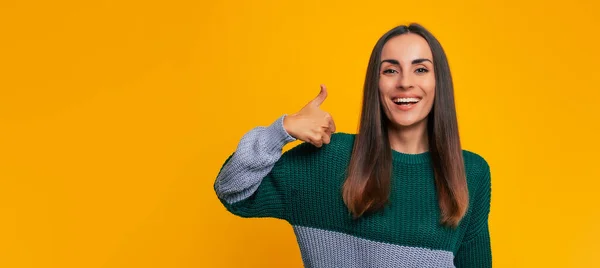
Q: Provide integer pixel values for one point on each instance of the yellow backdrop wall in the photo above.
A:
(115, 117)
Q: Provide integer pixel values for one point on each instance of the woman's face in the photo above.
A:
(406, 80)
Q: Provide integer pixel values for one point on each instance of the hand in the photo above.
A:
(311, 124)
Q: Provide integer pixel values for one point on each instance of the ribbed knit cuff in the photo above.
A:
(278, 137)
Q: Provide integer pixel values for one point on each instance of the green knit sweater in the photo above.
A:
(303, 186)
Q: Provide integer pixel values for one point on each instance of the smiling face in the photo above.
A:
(407, 80)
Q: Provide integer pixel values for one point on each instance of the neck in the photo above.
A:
(409, 140)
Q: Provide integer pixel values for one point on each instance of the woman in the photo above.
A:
(399, 193)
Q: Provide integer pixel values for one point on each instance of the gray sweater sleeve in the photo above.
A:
(256, 154)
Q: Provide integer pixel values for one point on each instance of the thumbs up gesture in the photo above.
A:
(311, 124)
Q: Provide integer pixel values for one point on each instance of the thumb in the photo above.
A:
(321, 97)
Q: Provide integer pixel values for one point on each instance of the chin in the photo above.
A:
(406, 122)
(403, 124)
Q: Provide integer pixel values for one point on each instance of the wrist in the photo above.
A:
(286, 124)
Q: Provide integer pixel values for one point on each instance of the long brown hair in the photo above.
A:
(367, 187)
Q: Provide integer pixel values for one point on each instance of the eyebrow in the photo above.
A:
(417, 61)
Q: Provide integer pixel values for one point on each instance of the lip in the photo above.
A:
(406, 96)
(406, 107)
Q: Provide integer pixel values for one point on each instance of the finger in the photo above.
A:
(317, 141)
(326, 139)
(328, 131)
(321, 97)
(331, 125)
(311, 141)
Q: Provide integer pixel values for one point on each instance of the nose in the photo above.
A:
(404, 82)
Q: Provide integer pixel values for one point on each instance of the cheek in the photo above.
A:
(430, 93)
(428, 86)
(385, 83)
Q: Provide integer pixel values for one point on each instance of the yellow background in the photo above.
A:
(115, 118)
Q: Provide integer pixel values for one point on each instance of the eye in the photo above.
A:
(389, 71)
(421, 70)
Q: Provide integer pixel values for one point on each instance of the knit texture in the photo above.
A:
(304, 185)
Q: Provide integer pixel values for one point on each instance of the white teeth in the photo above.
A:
(405, 100)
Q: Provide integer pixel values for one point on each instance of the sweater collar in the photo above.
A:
(411, 158)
